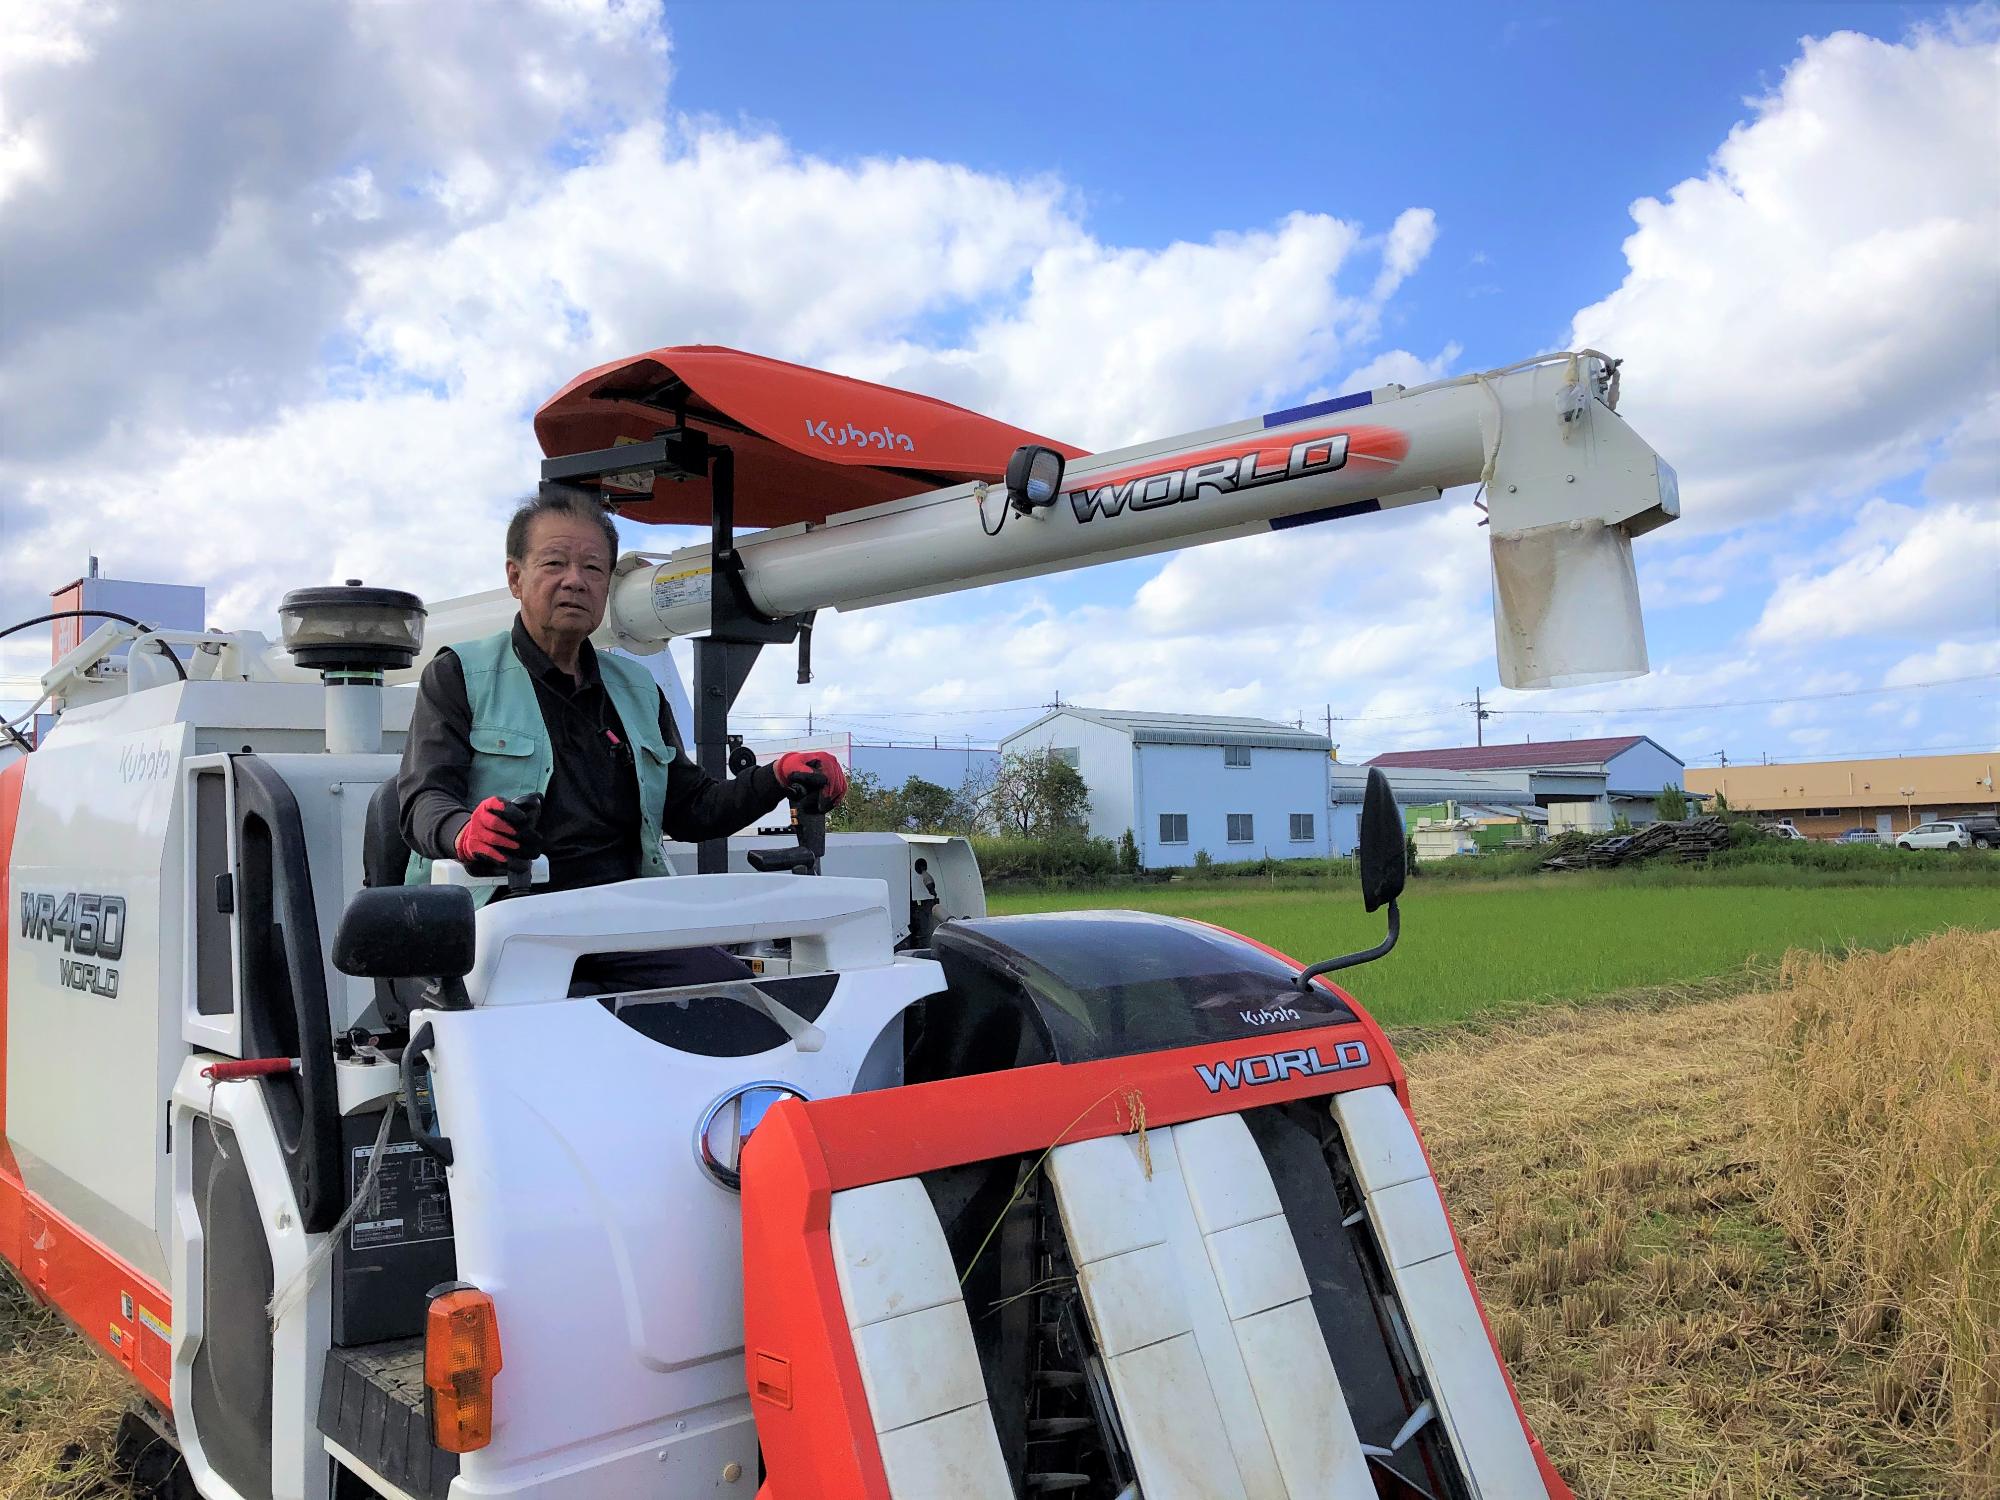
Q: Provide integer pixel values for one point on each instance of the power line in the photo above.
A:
(1453, 710)
(1819, 755)
(1669, 708)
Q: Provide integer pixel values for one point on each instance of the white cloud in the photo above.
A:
(1400, 367)
(186, 236)
(1946, 662)
(322, 363)
(1410, 240)
(1806, 318)
(297, 337)
(1901, 572)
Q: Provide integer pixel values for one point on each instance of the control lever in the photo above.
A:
(521, 869)
(809, 827)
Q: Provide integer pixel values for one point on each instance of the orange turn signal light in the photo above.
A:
(461, 1357)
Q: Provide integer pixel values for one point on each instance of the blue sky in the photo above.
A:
(1529, 131)
(298, 337)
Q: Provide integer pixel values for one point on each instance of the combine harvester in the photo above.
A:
(1100, 1205)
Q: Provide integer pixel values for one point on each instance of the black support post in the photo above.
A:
(737, 632)
(737, 629)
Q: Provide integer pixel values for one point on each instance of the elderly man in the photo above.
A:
(534, 709)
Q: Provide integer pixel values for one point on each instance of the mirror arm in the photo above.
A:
(445, 992)
(1350, 960)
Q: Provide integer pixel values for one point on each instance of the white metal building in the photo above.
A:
(1238, 788)
(1479, 794)
(1584, 784)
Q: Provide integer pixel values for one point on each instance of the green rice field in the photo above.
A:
(1469, 946)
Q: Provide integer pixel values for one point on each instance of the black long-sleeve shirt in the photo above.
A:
(590, 813)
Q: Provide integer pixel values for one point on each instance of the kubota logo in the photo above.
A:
(1273, 1067)
(850, 436)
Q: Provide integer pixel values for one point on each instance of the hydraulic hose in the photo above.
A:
(99, 614)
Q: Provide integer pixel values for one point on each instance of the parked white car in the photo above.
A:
(1935, 836)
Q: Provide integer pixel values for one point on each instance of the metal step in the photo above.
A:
(371, 1404)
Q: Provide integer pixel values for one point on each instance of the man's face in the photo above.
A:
(565, 579)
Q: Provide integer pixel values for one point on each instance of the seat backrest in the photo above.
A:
(385, 859)
(384, 856)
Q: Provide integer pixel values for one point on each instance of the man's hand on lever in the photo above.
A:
(811, 778)
(499, 833)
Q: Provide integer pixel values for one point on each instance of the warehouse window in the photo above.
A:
(1067, 754)
(1302, 828)
(1240, 828)
(1236, 755)
(1173, 828)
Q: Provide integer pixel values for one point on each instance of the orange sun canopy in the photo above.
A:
(808, 444)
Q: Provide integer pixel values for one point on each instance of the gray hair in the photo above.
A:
(575, 504)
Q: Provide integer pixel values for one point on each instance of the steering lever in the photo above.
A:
(808, 826)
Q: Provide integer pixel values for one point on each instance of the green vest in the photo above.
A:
(511, 752)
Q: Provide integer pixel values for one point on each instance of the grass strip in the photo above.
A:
(1470, 948)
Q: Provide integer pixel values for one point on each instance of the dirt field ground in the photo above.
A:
(1611, 1169)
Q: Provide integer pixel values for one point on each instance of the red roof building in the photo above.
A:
(1524, 757)
(1591, 781)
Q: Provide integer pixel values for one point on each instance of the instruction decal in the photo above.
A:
(410, 1204)
(675, 590)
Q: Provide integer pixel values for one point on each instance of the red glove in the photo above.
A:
(812, 777)
(491, 837)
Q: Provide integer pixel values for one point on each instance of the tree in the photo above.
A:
(969, 814)
(1037, 796)
(926, 807)
(867, 808)
(1128, 853)
(1672, 803)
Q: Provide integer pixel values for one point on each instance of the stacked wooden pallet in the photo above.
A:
(1686, 841)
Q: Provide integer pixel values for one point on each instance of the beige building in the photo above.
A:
(1823, 798)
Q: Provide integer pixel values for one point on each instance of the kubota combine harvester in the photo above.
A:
(1101, 1205)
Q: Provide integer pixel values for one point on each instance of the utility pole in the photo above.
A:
(1480, 714)
(1722, 756)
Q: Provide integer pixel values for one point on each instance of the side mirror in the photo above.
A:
(1382, 874)
(406, 932)
(1383, 870)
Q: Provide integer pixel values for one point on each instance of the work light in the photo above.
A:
(1034, 475)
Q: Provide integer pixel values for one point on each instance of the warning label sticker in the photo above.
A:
(672, 590)
(410, 1204)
